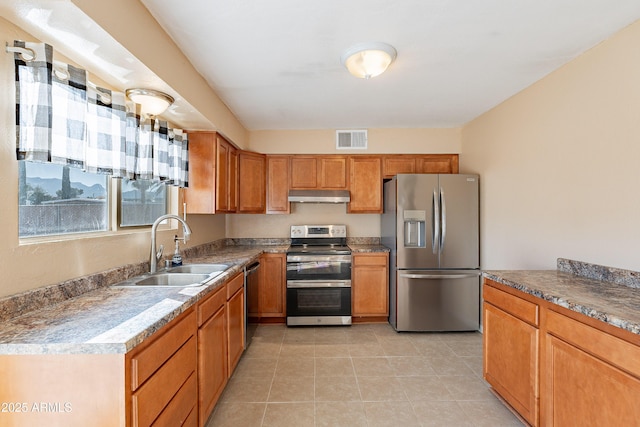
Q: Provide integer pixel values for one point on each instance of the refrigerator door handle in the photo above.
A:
(443, 233)
(438, 276)
(435, 235)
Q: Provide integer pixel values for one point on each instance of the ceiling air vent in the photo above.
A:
(351, 139)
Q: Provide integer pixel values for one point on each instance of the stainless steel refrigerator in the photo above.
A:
(431, 224)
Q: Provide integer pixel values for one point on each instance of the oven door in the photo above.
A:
(318, 302)
(319, 267)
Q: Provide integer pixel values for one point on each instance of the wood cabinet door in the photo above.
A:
(252, 183)
(232, 179)
(394, 164)
(212, 362)
(278, 185)
(510, 360)
(590, 377)
(273, 285)
(365, 184)
(200, 195)
(235, 328)
(437, 163)
(583, 390)
(370, 285)
(333, 173)
(222, 174)
(304, 172)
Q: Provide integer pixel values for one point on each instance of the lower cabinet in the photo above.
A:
(556, 367)
(510, 349)
(370, 285)
(590, 377)
(213, 369)
(163, 376)
(272, 287)
(235, 320)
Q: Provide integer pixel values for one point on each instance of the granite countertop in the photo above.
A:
(603, 293)
(367, 248)
(112, 319)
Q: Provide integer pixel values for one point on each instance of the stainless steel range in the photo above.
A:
(318, 276)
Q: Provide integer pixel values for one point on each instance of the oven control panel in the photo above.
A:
(298, 231)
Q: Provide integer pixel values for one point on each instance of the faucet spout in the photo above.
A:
(155, 254)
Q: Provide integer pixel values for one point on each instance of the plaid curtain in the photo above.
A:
(68, 108)
(33, 103)
(106, 132)
(61, 118)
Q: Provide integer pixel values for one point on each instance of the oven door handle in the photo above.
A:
(300, 284)
(318, 258)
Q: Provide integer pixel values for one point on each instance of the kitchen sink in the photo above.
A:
(172, 279)
(180, 276)
(199, 268)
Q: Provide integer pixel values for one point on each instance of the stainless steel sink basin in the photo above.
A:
(199, 268)
(173, 279)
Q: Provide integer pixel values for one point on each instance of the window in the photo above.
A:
(55, 199)
(141, 202)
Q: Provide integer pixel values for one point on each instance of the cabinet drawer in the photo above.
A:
(151, 399)
(146, 362)
(234, 284)
(209, 306)
(523, 310)
(615, 351)
(182, 407)
(370, 259)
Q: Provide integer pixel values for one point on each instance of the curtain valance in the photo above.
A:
(61, 118)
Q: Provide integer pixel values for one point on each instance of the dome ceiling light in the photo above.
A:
(151, 101)
(366, 60)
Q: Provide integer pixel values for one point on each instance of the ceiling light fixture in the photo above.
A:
(151, 101)
(366, 60)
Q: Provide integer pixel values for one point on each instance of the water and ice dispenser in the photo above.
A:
(415, 228)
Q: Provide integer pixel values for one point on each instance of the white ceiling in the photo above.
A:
(276, 63)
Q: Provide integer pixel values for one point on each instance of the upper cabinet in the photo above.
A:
(394, 164)
(252, 182)
(213, 174)
(318, 172)
(278, 185)
(226, 176)
(365, 184)
(224, 179)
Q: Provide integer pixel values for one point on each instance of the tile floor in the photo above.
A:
(360, 375)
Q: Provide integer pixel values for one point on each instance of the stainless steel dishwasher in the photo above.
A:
(251, 280)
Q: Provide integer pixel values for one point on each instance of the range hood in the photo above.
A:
(319, 196)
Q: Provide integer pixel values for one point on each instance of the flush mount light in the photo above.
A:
(366, 60)
(151, 101)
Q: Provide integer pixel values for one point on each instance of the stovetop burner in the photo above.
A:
(319, 240)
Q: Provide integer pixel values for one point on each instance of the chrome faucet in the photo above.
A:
(157, 254)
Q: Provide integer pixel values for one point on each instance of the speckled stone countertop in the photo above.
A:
(367, 248)
(607, 294)
(112, 319)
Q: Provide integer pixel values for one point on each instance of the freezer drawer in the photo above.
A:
(437, 300)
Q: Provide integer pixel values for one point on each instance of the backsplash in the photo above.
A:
(22, 303)
(599, 272)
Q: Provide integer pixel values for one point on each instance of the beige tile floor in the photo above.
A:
(360, 375)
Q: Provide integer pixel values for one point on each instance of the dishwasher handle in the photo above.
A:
(253, 268)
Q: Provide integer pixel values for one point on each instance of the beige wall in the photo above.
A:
(27, 265)
(440, 141)
(560, 164)
(277, 226)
